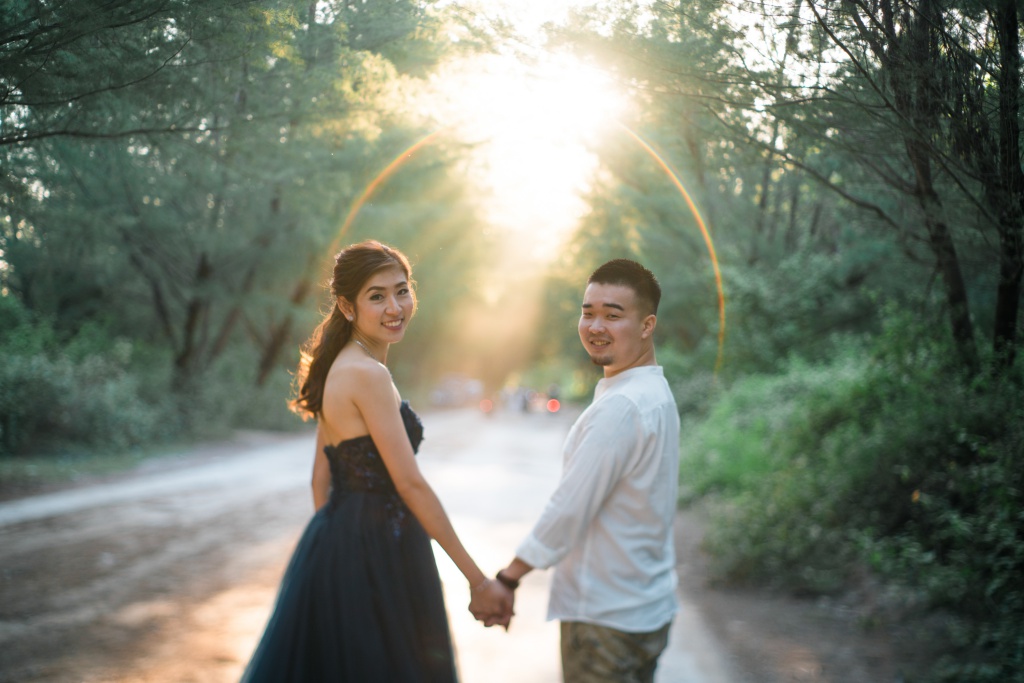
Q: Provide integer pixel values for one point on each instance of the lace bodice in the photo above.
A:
(356, 466)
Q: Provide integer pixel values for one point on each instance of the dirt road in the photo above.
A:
(169, 575)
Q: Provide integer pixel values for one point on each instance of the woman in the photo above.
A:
(361, 598)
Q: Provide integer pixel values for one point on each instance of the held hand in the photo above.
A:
(507, 601)
(505, 617)
(492, 603)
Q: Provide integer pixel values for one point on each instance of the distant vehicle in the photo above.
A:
(456, 391)
(527, 400)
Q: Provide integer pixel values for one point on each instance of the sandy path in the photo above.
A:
(169, 575)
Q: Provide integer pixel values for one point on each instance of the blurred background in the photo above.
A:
(176, 176)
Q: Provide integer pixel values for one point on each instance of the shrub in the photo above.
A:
(53, 403)
(775, 524)
(78, 395)
(886, 457)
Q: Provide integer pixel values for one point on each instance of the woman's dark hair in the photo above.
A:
(353, 266)
(622, 271)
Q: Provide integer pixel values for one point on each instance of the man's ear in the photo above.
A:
(346, 308)
(648, 325)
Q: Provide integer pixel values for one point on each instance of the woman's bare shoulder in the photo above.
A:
(353, 375)
(352, 379)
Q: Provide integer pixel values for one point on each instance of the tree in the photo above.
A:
(91, 68)
(820, 90)
(924, 73)
(197, 197)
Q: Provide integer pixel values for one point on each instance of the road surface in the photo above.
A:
(169, 574)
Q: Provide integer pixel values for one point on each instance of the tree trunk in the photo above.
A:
(948, 264)
(187, 361)
(913, 63)
(1011, 209)
(281, 332)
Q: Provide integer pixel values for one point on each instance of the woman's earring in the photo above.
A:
(349, 318)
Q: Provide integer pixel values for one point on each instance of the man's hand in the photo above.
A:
(492, 603)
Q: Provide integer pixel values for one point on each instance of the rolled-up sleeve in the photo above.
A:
(596, 456)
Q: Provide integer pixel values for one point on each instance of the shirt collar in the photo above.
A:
(606, 383)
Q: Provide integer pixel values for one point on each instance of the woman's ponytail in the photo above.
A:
(318, 353)
(353, 267)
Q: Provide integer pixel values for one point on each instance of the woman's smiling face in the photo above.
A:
(385, 306)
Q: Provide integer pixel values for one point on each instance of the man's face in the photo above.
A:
(613, 330)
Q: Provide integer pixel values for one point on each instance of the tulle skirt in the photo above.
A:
(360, 601)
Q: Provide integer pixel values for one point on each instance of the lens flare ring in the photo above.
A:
(703, 229)
(408, 153)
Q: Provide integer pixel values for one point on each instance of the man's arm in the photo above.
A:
(514, 572)
(602, 454)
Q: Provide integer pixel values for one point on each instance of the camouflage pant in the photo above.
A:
(598, 654)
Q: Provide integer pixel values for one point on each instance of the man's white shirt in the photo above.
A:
(608, 525)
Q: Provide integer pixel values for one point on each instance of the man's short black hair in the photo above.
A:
(622, 271)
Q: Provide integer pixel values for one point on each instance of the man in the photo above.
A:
(607, 529)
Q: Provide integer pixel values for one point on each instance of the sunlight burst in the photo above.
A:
(531, 125)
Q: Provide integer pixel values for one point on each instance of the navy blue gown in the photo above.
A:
(361, 598)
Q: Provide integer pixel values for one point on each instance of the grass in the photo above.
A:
(22, 475)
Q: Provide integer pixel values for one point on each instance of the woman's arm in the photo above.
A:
(321, 483)
(379, 409)
(377, 404)
(369, 388)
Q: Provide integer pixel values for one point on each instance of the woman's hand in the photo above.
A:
(492, 603)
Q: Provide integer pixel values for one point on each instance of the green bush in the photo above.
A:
(775, 523)
(227, 397)
(800, 305)
(91, 393)
(749, 431)
(55, 403)
(961, 540)
(885, 458)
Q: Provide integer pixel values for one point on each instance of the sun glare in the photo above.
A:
(530, 126)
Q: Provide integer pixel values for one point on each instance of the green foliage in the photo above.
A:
(93, 393)
(776, 524)
(691, 377)
(883, 457)
(188, 165)
(176, 176)
(797, 306)
(781, 121)
(76, 399)
(225, 399)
